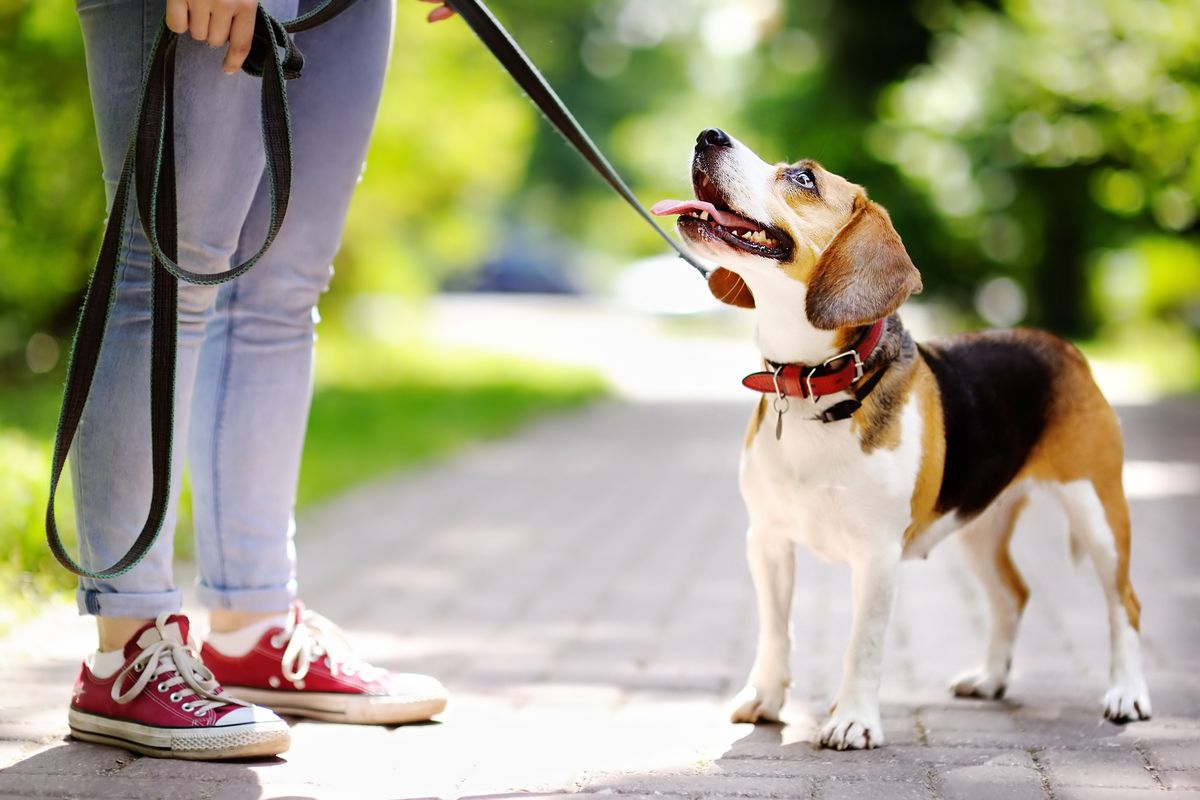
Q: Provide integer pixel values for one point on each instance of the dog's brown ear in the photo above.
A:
(864, 274)
(728, 287)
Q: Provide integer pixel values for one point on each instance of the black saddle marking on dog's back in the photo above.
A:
(996, 391)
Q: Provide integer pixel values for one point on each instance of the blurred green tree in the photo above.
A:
(1048, 130)
(1049, 142)
(51, 193)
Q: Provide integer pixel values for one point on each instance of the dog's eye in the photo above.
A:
(802, 178)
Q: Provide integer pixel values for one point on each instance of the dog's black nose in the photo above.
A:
(713, 137)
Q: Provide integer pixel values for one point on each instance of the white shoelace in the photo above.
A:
(190, 679)
(312, 638)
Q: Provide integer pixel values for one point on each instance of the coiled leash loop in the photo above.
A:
(150, 168)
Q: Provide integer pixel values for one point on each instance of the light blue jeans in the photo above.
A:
(244, 369)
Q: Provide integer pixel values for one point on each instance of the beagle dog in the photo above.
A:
(870, 448)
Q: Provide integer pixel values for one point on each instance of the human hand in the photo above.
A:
(443, 11)
(218, 22)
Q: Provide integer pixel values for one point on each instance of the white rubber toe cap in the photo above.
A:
(250, 715)
(416, 687)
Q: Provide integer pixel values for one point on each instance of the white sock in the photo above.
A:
(240, 642)
(105, 665)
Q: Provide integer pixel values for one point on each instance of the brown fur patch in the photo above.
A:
(933, 451)
(756, 421)
(728, 287)
(1083, 442)
(877, 423)
(1004, 563)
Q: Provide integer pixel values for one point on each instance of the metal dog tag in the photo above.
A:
(780, 405)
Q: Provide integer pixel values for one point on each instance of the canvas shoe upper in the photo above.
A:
(164, 701)
(305, 667)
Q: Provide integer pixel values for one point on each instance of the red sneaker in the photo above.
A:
(164, 702)
(306, 668)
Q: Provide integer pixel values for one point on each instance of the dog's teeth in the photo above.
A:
(704, 215)
(746, 235)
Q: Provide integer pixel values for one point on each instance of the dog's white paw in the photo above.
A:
(753, 704)
(1128, 701)
(981, 683)
(850, 731)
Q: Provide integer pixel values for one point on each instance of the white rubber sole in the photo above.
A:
(249, 740)
(360, 709)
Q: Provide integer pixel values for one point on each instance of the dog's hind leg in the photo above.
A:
(773, 569)
(1099, 519)
(984, 544)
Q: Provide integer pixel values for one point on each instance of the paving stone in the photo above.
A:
(1180, 778)
(1111, 767)
(990, 782)
(839, 788)
(71, 787)
(1100, 793)
(75, 758)
(1181, 755)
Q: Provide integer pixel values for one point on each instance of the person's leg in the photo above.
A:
(145, 689)
(254, 383)
(219, 162)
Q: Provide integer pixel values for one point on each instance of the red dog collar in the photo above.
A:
(801, 380)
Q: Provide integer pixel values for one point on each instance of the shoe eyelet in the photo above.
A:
(162, 687)
(200, 713)
(278, 645)
(186, 707)
(176, 697)
(137, 667)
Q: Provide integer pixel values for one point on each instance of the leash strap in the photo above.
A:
(149, 168)
(510, 55)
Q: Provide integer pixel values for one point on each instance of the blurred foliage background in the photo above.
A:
(1039, 158)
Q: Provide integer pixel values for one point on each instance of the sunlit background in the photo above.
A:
(1037, 156)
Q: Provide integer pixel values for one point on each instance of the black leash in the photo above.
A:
(150, 169)
(510, 55)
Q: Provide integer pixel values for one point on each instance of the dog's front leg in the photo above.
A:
(854, 720)
(773, 569)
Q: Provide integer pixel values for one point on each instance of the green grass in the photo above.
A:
(381, 407)
(378, 408)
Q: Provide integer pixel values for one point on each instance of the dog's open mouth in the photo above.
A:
(710, 216)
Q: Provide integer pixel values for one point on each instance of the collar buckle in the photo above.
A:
(858, 371)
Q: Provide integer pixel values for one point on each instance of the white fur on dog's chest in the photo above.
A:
(817, 485)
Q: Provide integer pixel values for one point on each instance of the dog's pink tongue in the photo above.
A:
(667, 208)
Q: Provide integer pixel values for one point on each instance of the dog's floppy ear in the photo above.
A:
(864, 274)
(728, 287)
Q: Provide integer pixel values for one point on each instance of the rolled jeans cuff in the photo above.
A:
(252, 601)
(143, 605)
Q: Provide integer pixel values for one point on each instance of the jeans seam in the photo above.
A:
(215, 444)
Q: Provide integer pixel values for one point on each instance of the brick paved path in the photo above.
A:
(581, 589)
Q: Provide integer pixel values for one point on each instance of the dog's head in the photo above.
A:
(797, 221)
